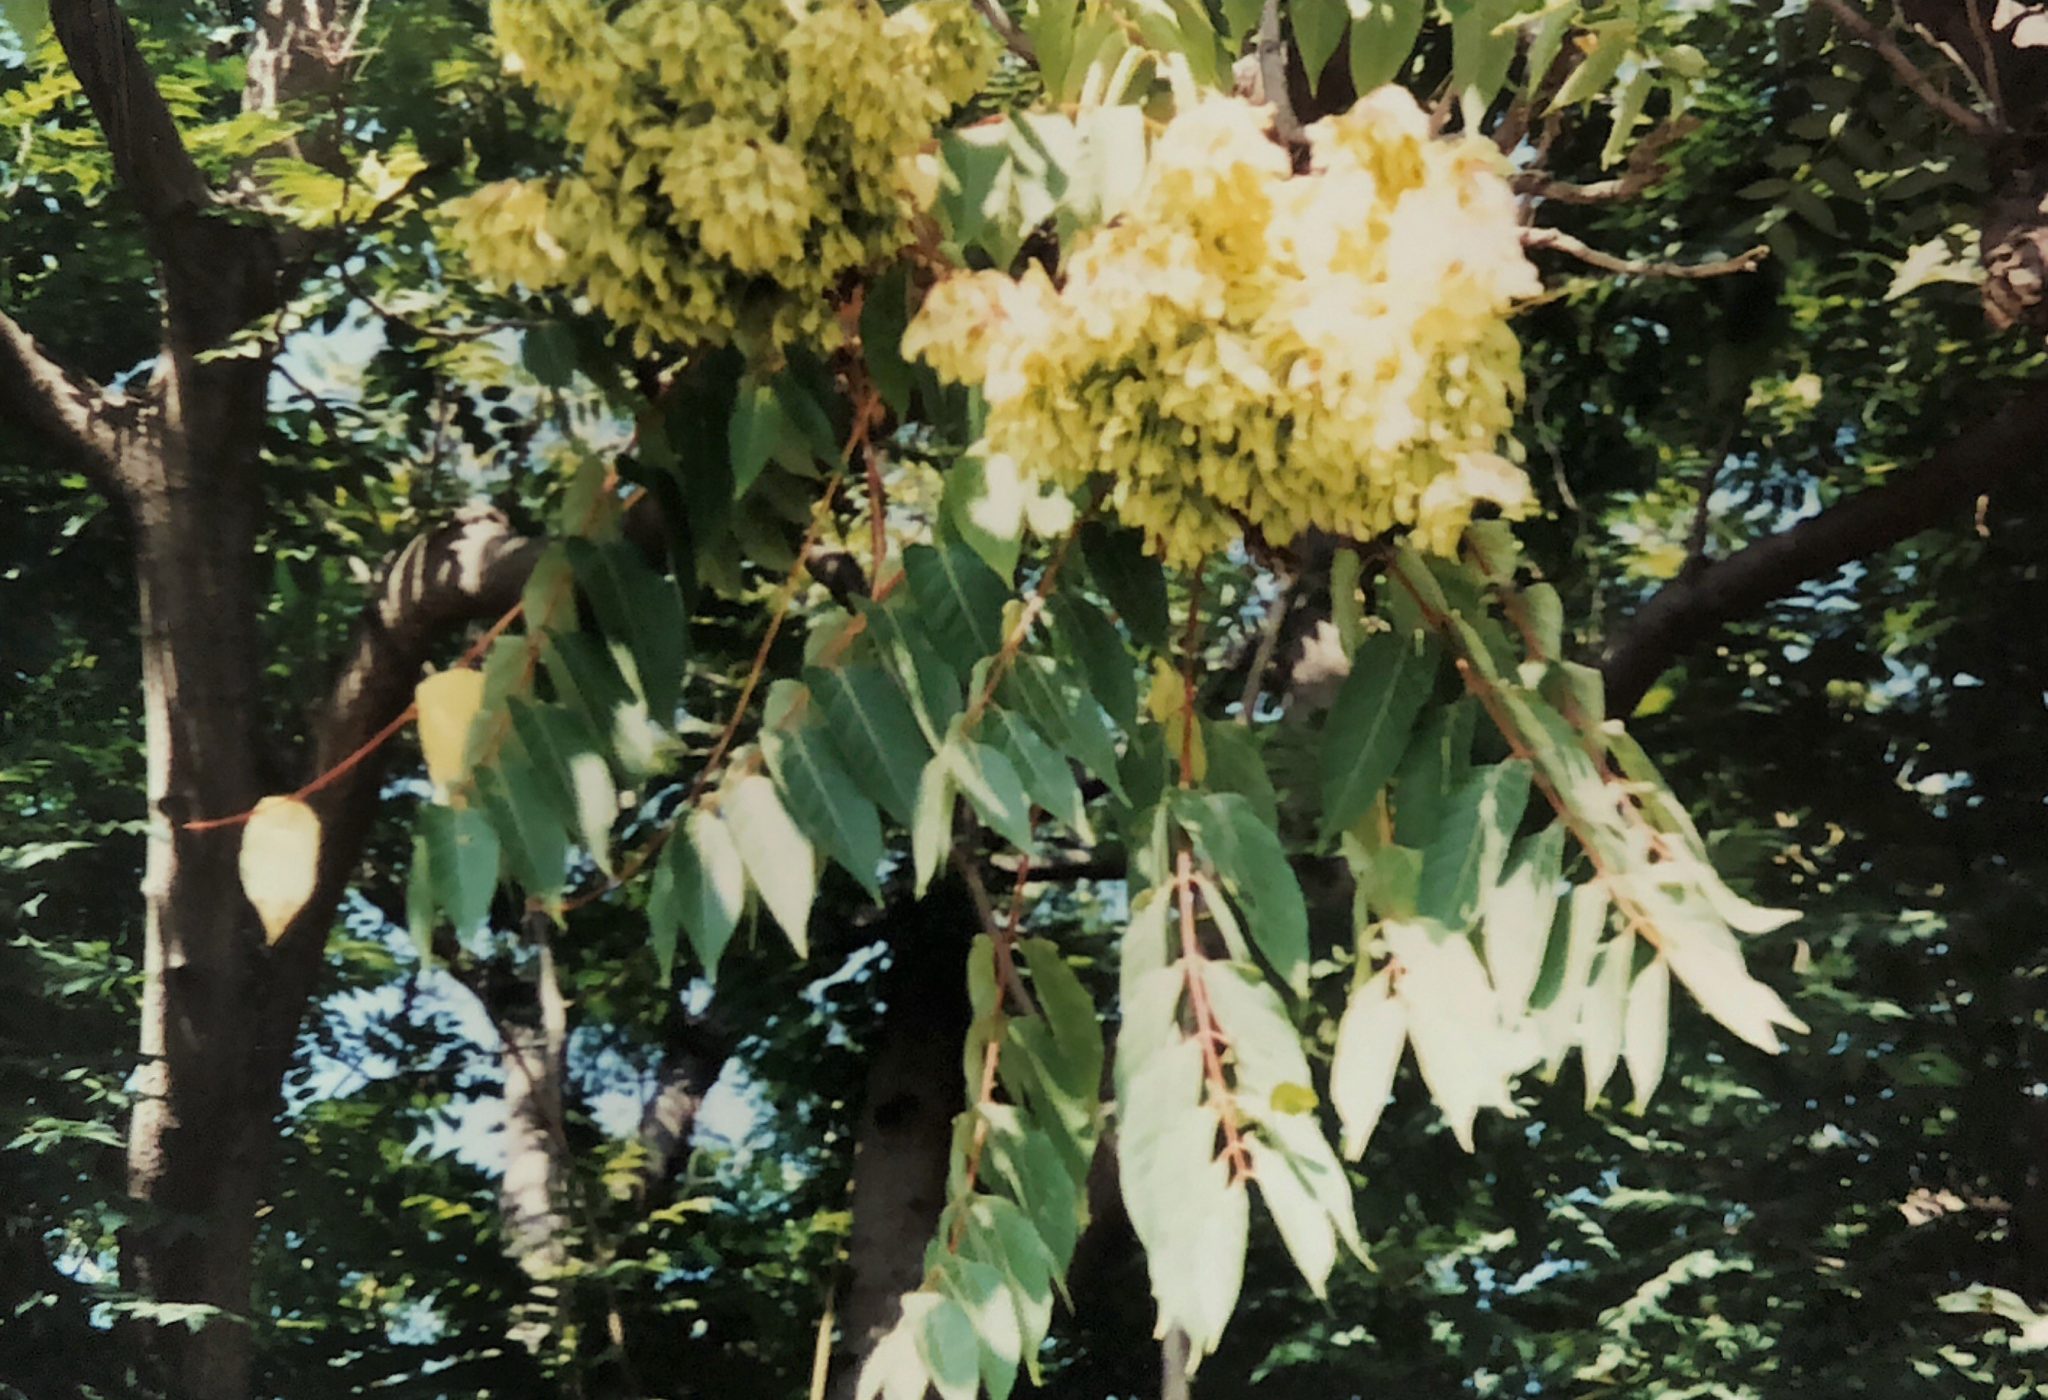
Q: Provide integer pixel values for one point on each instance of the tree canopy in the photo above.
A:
(783, 693)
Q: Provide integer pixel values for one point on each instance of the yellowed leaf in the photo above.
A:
(280, 861)
(447, 702)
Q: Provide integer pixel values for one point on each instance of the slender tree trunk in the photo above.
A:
(915, 1089)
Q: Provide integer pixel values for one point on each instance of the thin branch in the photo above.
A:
(72, 414)
(1853, 20)
(1558, 241)
(1271, 49)
(1647, 167)
(1006, 29)
(1994, 87)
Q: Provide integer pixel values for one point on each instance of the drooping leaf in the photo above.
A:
(1046, 775)
(1130, 578)
(876, 732)
(1370, 1038)
(462, 854)
(1464, 857)
(1453, 1023)
(642, 616)
(1090, 642)
(700, 886)
(778, 858)
(826, 802)
(931, 830)
(1602, 1013)
(1518, 914)
(1059, 705)
(959, 599)
(448, 702)
(280, 861)
(1368, 727)
(984, 505)
(1383, 34)
(991, 786)
(1645, 1035)
(1252, 865)
(951, 1352)
(529, 826)
(1305, 1226)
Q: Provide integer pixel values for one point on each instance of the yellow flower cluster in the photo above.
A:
(739, 158)
(1247, 348)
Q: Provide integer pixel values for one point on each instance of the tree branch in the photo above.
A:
(470, 570)
(1558, 241)
(76, 417)
(1853, 20)
(1694, 606)
(150, 158)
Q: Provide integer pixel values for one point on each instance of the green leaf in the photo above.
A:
(884, 315)
(959, 599)
(1465, 856)
(984, 1298)
(700, 887)
(462, 852)
(1055, 701)
(528, 828)
(1519, 912)
(1706, 958)
(778, 859)
(825, 801)
(420, 900)
(548, 351)
(984, 503)
(1645, 1034)
(1319, 26)
(1436, 762)
(1047, 777)
(931, 831)
(1070, 1012)
(991, 786)
(1567, 968)
(999, 1234)
(1383, 34)
(876, 732)
(569, 770)
(951, 1352)
(1237, 764)
(1628, 110)
(1131, 579)
(759, 424)
(1612, 42)
(1305, 1227)
(1453, 1023)
(1367, 729)
(1089, 640)
(1482, 50)
(26, 18)
(641, 612)
(1370, 1038)
(1252, 865)
(930, 685)
(1600, 1017)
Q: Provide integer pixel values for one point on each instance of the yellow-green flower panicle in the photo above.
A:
(740, 160)
(1251, 348)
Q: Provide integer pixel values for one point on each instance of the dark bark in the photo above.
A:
(915, 1089)
(220, 1010)
(1692, 608)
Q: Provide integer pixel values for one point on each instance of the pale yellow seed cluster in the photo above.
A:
(1250, 348)
(738, 158)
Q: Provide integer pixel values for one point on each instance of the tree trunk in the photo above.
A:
(915, 1088)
